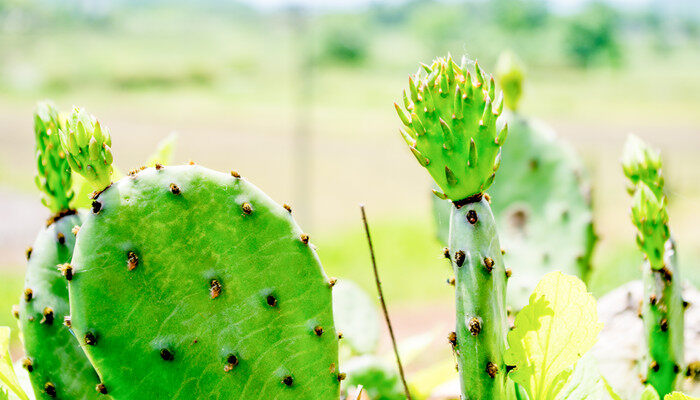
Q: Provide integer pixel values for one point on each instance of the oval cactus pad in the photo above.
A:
(190, 283)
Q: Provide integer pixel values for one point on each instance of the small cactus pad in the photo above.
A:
(450, 126)
(542, 207)
(662, 306)
(54, 358)
(190, 283)
(53, 176)
(87, 147)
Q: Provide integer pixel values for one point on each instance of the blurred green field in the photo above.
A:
(233, 82)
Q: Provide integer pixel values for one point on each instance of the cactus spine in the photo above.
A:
(662, 305)
(450, 127)
(190, 283)
(57, 366)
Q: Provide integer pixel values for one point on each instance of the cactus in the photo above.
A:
(190, 283)
(56, 364)
(541, 202)
(662, 305)
(450, 127)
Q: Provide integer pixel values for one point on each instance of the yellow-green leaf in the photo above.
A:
(8, 379)
(164, 151)
(679, 396)
(649, 393)
(551, 333)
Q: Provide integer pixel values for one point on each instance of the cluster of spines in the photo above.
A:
(87, 147)
(450, 117)
(53, 171)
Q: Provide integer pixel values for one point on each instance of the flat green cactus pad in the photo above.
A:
(541, 205)
(193, 284)
(57, 366)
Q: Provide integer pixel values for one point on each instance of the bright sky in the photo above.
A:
(557, 4)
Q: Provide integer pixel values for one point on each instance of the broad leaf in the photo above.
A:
(586, 383)
(679, 396)
(8, 379)
(551, 333)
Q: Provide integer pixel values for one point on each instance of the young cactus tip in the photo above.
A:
(450, 126)
(53, 176)
(87, 147)
(641, 163)
(510, 74)
(650, 217)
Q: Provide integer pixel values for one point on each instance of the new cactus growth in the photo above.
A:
(450, 126)
(56, 364)
(541, 201)
(662, 306)
(190, 283)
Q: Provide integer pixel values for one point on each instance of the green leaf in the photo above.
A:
(649, 393)
(8, 378)
(586, 383)
(551, 333)
(679, 396)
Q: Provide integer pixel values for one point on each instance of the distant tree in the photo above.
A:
(344, 45)
(520, 14)
(592, 36)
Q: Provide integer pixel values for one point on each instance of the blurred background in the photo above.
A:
(297, 96)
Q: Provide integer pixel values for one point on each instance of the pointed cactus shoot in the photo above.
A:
(662, 307)
(510, 74)
(87, 147)
(53, 176)
(450, 126)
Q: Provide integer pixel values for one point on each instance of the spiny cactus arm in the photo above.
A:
(53, 176)
(450, 126)
(662, 306)
(641, 163)
(509, 74)
(480, 285)
(87, 147)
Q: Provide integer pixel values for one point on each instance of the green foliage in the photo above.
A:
(53, 356)
(345, 45)
(8, 379)
(650, 217)
(642, 164)
(53, 176)
(87, 147)
(509, 74)
(551, 333)
(378, 381)
(450, 118)
(520, 14)
(213, 289)
(592, 36)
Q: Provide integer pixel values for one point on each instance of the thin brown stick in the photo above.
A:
(381, 300)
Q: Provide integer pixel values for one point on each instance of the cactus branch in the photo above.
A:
(383, 303)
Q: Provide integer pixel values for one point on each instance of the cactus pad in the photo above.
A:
(57, 366)
(190, 283)
(450, 127)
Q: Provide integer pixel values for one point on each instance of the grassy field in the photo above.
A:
(233, 92)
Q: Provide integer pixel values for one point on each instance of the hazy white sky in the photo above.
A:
(557, 4)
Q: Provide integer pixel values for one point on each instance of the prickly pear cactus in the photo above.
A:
(662, 306)
(190, 283)
(450, 127)
(541, 202)
(56, 364)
